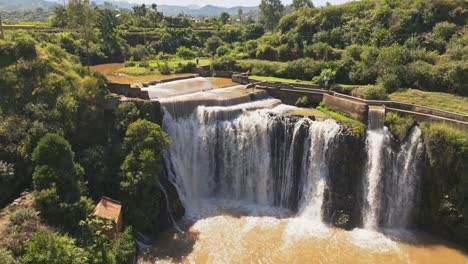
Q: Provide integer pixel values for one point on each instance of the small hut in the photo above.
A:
(111, 209)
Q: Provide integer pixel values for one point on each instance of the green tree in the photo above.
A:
(81, 18)
(212, 44)
(272, 11)
(59, 17)
(58, 181)
(49, 248)
(144, 143)
(298, 4)
(224, 17)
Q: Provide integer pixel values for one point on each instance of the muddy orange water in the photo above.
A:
(109, 71)
(254, 239)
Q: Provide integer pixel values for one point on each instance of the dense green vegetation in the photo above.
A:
(447, 176)
(399, 44)
(57, 136)
(399, 125)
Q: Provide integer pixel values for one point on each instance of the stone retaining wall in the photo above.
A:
(357, 110)
(127, 91)
(353, 106)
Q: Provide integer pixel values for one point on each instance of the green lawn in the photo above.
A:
(277, 79)
(443, 101)
(173, 64)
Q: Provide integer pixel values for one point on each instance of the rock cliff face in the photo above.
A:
(343, 198)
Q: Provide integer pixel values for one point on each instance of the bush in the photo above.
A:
(348, 89)
(398, 125)
(130, 64)
(267, 52)
(138, 52)
(23, 215)
(326, 78)
(370, 92)
(185, 53)
(389, 81)
(303, 69)
(189, 67)
(6, 257)
(164, 68)
(302, 101)
(225, 64)
(223, 50)
(50, 248)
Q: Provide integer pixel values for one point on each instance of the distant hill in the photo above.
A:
(208, 10)
(25, 5)
(168, 10)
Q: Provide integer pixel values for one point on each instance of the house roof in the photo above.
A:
(108, 208)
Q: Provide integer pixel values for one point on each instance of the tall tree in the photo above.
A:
(224, 18)
(140, 171)
(81, 18)
(298, 4)
(272, 11)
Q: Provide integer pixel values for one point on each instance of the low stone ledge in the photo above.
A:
(357, 110)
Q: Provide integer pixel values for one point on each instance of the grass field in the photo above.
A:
(172, 63)
(277, 79)
(443, 101)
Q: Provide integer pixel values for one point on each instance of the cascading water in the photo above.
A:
(391, 179)
(378, 152)
(257, 156)
(401, 188)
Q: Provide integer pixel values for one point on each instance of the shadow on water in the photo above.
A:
(421, 239)
(172, 245)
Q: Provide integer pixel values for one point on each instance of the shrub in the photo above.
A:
(144, 64)
(6, 257)
(398, 125)
(370, 92)
(138, 52)
(326, 77)
(303, 69)
(302, 101)
(348, 89)
(185, 53)
(49, 248)
(189, 67)
(223, 50)
(130, 64)
(286, 53)
(225, 64)
(389, 81)
(267, 52)
(23, 215)
(164, 68)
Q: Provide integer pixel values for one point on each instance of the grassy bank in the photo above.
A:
(358, 128)
(277, 79)
(443, 101)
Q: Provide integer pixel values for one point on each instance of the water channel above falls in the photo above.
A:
(259, 185)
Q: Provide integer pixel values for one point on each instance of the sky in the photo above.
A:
(227, 3)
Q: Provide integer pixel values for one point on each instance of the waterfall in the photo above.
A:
(376, 117)
(391, 179)
(378, 152)
(402, 186)
(249, 154)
